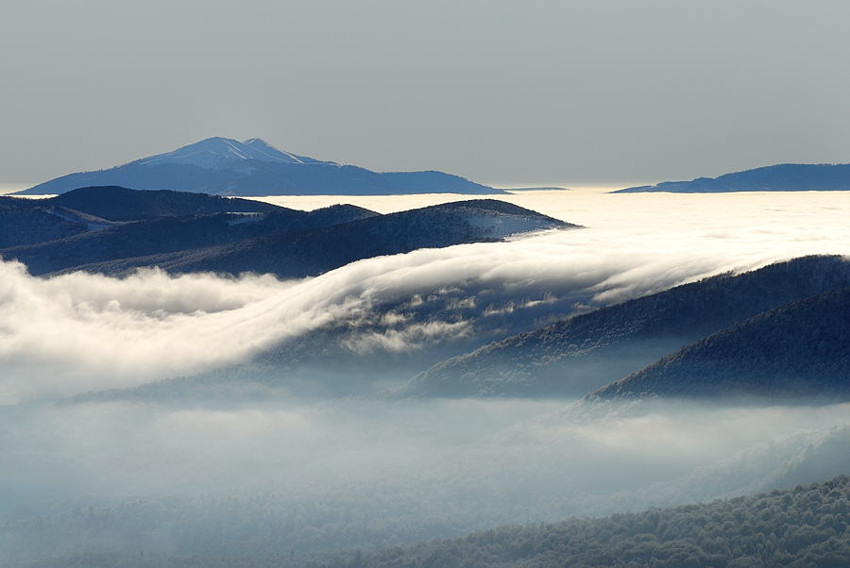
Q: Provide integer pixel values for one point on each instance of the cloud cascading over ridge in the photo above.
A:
(78, 332)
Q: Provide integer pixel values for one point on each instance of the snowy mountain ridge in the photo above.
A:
(225, 166)
(217, 153)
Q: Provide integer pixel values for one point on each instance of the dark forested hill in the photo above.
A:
(21, 226)
(590, 350)
(122, 204)
(112, 230)
(780, 177)
(102, 210)
(799, 350)
(101, 224)
(313, 252)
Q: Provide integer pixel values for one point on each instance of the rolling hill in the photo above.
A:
(779, 177)
(799, 351)
(137, 229)
(587, 351)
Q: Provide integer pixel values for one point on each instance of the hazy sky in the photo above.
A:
(500, 91)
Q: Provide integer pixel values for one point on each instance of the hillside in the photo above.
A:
(780, 177)
(798, 351)
(99, 224)
(146, 229)
(90, 209)
(253, 167)
(587, 351)
(31, 225)
(806, 526)
(314, 252)
(122, 204)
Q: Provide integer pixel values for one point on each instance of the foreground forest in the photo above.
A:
(802, 527)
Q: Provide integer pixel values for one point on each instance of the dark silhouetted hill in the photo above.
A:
(44, 222)
(185, 232)
(297, 254)
(122, 204)
(800, 351)
(780, 177)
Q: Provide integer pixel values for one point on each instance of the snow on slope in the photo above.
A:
(217, 153)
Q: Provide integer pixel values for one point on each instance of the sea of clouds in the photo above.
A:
(76, 333)
(433, 468)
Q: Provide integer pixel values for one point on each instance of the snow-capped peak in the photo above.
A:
(216, 153)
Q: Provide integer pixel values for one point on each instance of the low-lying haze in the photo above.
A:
(305, 477)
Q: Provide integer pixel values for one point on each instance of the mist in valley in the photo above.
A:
(312, 477)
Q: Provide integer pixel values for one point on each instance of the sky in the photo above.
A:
(502, 92)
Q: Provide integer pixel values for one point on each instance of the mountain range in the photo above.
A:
(113, 230)
(779, 177)
(225, 166)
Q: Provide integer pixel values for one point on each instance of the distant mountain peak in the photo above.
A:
(778, 177)
(218, 153)
(226, 166)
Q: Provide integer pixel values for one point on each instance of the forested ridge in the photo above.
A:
(802, 527)
(587, 351)
(114, 230)
(800, 351)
